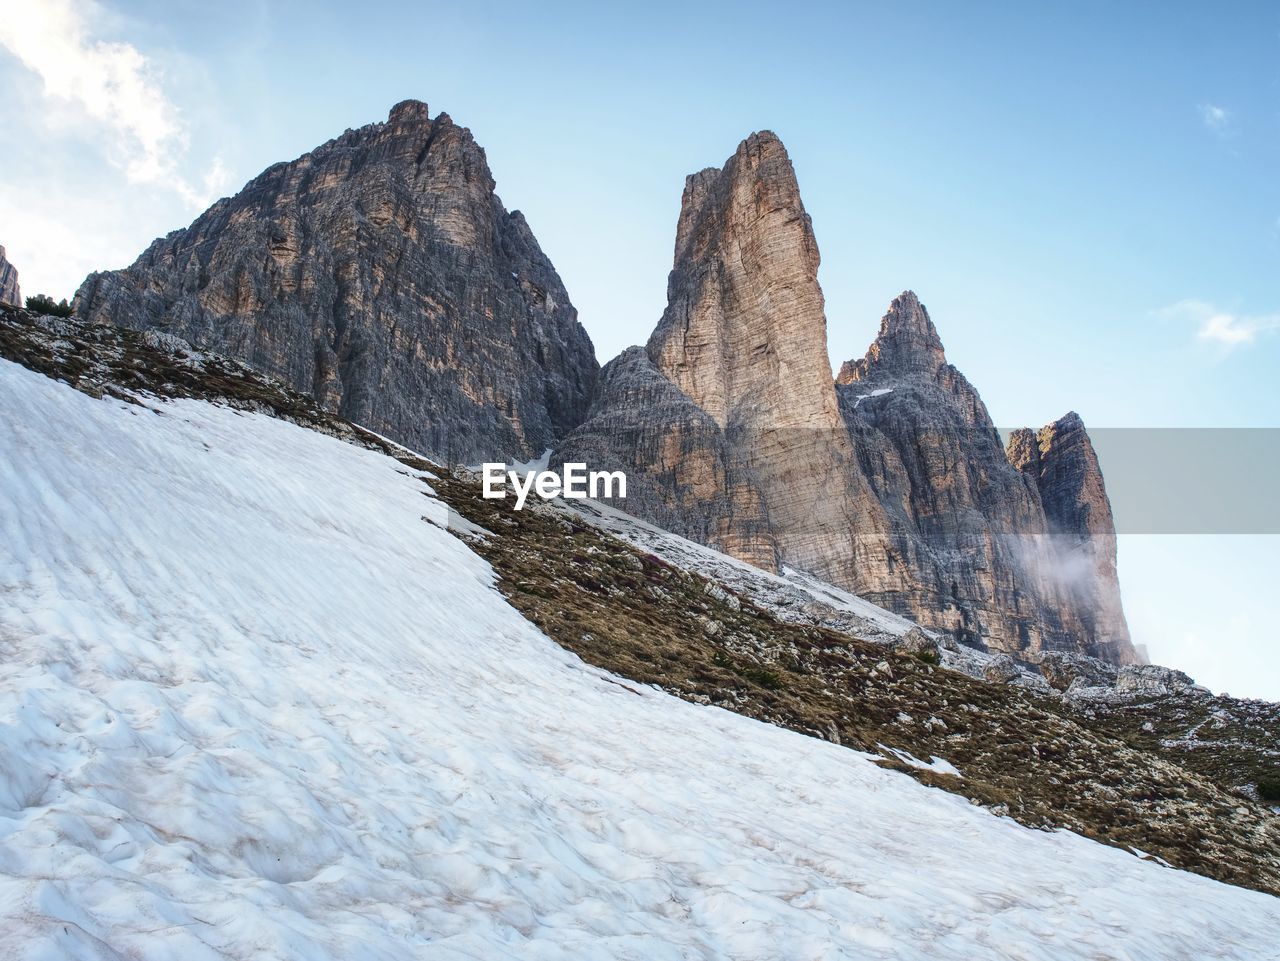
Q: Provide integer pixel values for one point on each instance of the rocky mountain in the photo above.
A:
(10, 293)
(747, 452)
(1001, 559)
(1061, 460)
(891, 482)
(381, 274)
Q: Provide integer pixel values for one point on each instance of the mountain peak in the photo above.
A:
(908, 342)
(381, 274)
(745, 326)
(409, 111)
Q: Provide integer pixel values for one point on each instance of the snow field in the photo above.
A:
(253, 706)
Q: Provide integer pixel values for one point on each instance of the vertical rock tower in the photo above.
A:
(752, 455)
(1060, 459)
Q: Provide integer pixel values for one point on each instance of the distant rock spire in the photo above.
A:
(1061, 461)
(907, 343)
(10, 293)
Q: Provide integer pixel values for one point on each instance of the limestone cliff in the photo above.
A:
(892, 482)
(740, 355)
(381, 274)
(10, 293)
(990, 561)
(1060, 459)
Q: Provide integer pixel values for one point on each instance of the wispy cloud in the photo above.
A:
(1224, 327)
(114, 86)
(1216, 118)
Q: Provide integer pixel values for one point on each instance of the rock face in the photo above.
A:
(891, 482)
(746, 450)
(683, 474)
(997, 558)
(1061, 461)
(381, 274)
(10, 293)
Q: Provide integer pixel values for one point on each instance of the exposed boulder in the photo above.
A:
(1002, 669)
(1152, 680)
(1062, 669)
(918, 643)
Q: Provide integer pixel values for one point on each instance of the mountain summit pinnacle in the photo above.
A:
(908, 342)
(745, 327)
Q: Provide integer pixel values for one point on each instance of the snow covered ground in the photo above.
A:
(252, 706)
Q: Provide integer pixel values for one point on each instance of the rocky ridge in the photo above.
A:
(891, 482)
(999, 558)
(380, 274)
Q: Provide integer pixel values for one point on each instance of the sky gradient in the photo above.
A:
(1087, 200)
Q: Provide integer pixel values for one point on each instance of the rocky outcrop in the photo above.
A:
(892, 482)
(1061, 461)
(747, 450)
(10, 293)
(991, 561)
(683, 473)
(381, 274)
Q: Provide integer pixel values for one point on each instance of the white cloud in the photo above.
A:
(1216, 118)
(1219, 326)
(112, 85)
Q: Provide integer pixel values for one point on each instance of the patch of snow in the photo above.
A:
(793, 596)
(465, 528)
(879, 392)
(937, 764)
(252, 706)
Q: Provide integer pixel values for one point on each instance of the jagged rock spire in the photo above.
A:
(907, 343)
(745, 314)
(749, 453)
(1062, 463)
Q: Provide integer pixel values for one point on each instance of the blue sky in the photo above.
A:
(1087, 200)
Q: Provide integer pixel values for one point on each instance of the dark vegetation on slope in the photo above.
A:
(1176, 777)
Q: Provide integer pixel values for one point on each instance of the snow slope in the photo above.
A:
(252, 706)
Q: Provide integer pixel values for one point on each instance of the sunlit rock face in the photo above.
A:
(753, 456)
(892, 481)
(999, 556)
(381, 274)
